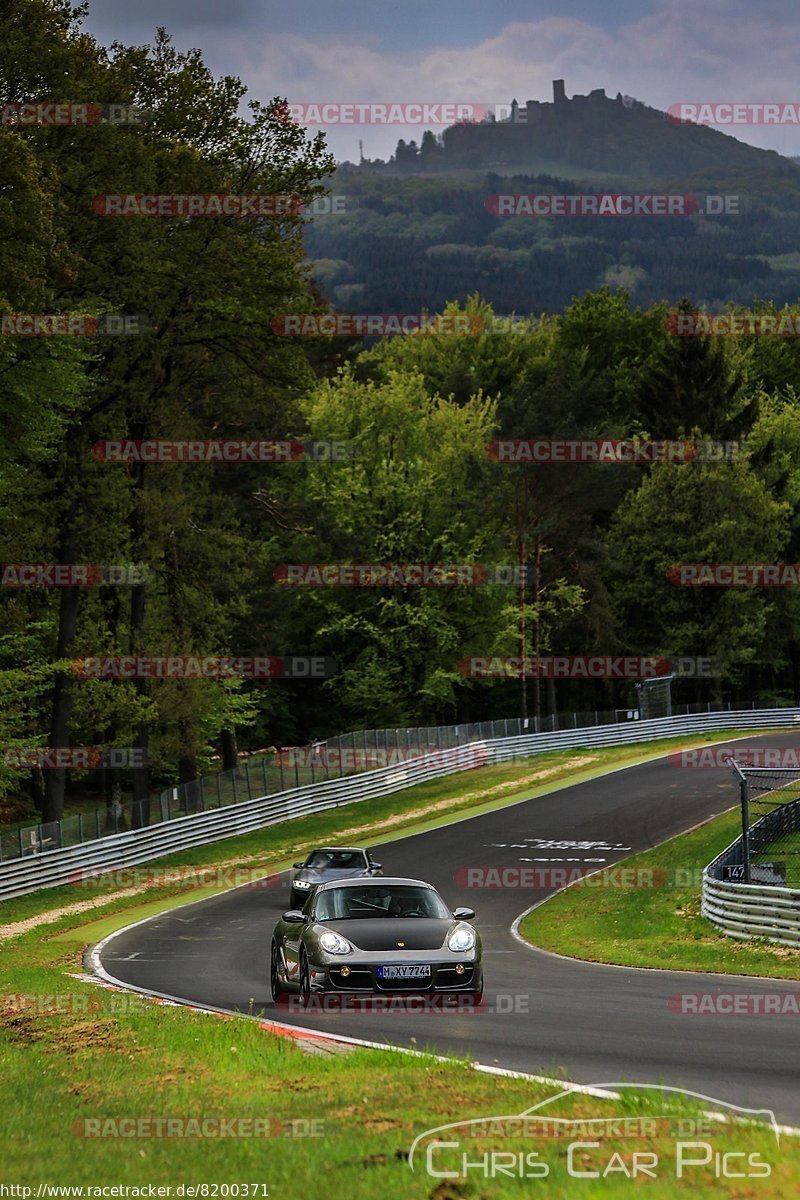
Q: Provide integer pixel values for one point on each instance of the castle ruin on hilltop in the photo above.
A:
(533, 110)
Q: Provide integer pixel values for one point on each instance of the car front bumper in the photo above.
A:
(452, 975)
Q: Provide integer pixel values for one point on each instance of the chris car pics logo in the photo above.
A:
(538, 1146)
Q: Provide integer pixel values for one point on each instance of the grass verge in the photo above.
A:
(656, 922)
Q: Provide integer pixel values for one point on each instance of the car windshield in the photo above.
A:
(400, 900)
(336, 860)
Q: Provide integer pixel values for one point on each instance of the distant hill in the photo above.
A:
(617, 137)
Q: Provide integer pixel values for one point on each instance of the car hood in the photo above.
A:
(329, 875)
(384, 933)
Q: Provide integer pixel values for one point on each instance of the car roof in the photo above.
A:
(360, 883)
(337, 850)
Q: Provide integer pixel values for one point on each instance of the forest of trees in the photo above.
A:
(417, 411)
(399, 239)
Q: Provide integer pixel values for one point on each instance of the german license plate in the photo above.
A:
(405, 971)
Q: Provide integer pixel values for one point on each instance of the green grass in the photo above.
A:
(71, 1051)
(660, 925)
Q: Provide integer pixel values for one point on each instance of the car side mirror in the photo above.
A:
(464, 914)
(298, 866)
(374, 866)
(294, 917)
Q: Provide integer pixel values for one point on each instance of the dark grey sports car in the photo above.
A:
(375, 935)
(326, 864)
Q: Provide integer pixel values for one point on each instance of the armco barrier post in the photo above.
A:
(745, 826)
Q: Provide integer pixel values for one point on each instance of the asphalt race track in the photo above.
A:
(542, 1013)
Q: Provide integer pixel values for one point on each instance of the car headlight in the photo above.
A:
(301, 885)
(461, 939)
(333, 944)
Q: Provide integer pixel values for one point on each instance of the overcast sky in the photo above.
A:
(660, 51)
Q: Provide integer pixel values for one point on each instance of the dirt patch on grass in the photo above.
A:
(301, 1085)
(89, 1091)
(66, 910)
(451, 1190)
(381, 1124)
(21, 1029)
(103, 1034)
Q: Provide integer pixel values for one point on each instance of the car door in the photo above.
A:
(292, 934)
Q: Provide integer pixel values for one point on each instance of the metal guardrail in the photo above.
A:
(750, 910)
(54, 867)
(753, 910)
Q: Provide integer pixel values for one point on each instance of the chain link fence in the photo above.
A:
(770, 843)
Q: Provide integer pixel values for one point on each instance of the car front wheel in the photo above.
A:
(305, 980)
(274, 978)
